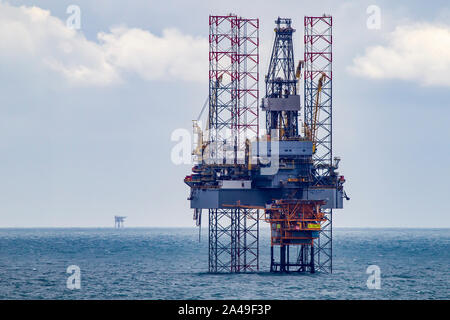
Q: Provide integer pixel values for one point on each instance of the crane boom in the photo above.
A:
(311, 133)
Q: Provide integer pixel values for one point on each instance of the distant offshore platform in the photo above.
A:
(118, 221)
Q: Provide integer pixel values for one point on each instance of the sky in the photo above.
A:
(87, 114)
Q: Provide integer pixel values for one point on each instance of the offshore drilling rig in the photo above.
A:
(287, 176)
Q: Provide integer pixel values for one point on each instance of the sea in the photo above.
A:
(157, 263)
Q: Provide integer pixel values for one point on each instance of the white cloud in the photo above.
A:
(33, 35)
(172, 56)
(418, 52)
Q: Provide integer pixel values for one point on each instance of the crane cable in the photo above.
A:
(203, 108)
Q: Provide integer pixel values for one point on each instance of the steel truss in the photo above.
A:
(318, 61)
(233, 118)
(233, 240)
(233, 86)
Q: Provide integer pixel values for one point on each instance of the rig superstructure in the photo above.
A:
(286, 177)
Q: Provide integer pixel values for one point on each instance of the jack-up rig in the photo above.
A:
(286, 177)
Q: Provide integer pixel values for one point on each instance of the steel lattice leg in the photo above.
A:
(233, 240)
(324, 245)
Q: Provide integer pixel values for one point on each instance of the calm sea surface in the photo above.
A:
(171, 264)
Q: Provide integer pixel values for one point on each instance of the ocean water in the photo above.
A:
(171, 264)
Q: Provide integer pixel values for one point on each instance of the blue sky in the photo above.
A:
(86, 116)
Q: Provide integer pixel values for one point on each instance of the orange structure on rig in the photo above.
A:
(294, 222)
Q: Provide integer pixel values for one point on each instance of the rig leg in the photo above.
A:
(287, 259)
(312, 269)
(282, 258)
(272, 261)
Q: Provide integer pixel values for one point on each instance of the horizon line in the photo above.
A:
(205, 229)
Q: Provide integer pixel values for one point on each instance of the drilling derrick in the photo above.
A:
(281, 81)
(287, 173)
